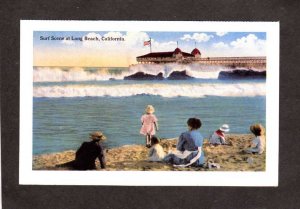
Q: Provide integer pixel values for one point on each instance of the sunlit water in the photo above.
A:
(66, 110)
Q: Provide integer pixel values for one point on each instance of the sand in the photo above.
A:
(134, 157)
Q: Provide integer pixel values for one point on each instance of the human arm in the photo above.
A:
(222, 139)
(181, 141)
(155, 122)
(156, 126)
(151, 151)
(254, 142)
(101, 157)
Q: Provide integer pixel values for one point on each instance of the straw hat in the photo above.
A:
(97, 135)
(224, 128)
(149, 109)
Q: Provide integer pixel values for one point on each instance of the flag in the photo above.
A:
(147, 43)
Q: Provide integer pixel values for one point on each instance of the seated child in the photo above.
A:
(258, 143)
(218, 136)
(156, 152)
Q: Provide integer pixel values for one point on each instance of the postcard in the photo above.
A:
(149, 103)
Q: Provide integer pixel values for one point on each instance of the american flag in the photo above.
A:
(147, 43)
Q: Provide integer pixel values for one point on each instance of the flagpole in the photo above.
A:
(150, 46)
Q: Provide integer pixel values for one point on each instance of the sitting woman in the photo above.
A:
(189, 147)
(258, 143)
(156, 152)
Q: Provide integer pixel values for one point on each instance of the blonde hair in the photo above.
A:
(149, 109)
(257, 129)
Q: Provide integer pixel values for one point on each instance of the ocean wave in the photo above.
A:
(164, 90)
(61, 74)
(194, 70)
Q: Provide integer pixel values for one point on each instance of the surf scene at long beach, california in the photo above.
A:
(87, 81)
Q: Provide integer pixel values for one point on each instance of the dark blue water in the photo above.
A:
(63, 123)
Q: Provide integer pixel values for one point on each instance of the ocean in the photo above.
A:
(71, 102)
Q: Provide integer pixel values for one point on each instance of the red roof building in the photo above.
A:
(195, 52)
(177, 51)
(178, 56)
(166, 57)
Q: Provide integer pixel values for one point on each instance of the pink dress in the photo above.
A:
(148, 127)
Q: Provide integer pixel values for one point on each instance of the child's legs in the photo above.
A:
(148, 139)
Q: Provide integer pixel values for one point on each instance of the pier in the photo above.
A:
(256, 62)
(177, 56)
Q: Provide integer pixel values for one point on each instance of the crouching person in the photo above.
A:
(218, 136)
(156, 152)
(87, 154)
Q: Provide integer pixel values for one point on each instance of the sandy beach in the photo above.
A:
(134, 157)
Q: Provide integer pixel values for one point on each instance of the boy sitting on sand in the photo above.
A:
(156, 152)
(218, 136)
(258, 143)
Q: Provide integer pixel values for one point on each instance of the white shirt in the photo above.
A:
(156, 153)
(259, 142)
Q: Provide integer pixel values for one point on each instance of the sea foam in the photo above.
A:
(196, 90)
(60, 74)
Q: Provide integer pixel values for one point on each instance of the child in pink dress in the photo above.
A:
(149, 124)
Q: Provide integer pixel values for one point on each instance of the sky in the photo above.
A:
(97, 49)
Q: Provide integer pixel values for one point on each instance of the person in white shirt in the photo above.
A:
(156, 152)
(259, 142)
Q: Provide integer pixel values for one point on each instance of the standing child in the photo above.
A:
(218, 136)
(258, 143)
(149, 124)
(156, 152)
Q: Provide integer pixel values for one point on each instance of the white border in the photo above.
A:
(149, 178)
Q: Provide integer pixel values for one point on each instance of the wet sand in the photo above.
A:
(134, 157)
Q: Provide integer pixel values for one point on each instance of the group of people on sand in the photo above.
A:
(188, 149)
(189, 146)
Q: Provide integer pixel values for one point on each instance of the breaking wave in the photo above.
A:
(61, 74)
(164, 90)
(193, 70)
